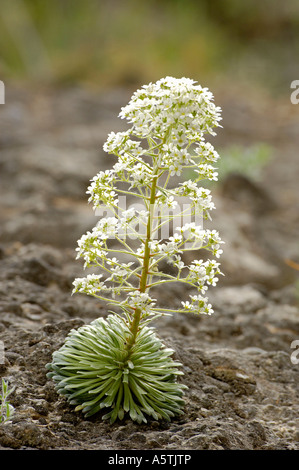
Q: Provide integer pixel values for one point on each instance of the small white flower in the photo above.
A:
(187, 305)
(175, 169)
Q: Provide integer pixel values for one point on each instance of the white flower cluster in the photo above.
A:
(177, 104)
(203, 272)
(91, 247)
(201, 197)
(198, 304)
(142, 301)
(90, 284)
(168, 122)
(102, 190)
(175, 157)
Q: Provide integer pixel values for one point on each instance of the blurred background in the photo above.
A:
(105, 43)
(69, 66)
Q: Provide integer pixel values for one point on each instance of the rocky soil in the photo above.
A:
(243, 386)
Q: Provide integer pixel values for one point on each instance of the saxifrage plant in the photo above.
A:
(118, 362)
(6, 409)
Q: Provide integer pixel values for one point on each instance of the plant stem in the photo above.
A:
(146, 259)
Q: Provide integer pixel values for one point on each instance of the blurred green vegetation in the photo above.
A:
(124, 42)
(246, 160)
